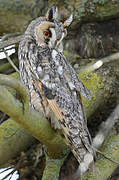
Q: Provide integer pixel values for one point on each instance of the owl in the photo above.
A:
(53, 84)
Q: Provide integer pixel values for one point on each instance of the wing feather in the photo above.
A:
(55, 108)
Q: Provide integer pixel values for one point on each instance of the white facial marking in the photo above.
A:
(53, 38)
(74, 93)
(39, 69)
(43, 81)
(60, 70)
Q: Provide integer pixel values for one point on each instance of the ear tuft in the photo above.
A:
(52, 13)
(68, 21)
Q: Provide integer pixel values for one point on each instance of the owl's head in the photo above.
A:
(50, 31)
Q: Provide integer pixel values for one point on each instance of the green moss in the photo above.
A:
(93, 82)
(52, 168)
(18, 25)
(6, 66)
(101, 2)
(86, 10)
(72, 57)
(15, 75)
(103, 166)
(7, 129)
(16, 15)
(13, 140)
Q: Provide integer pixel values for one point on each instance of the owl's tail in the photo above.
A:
(77, 137)
(84, 157)
(81, 146)
(86, 164)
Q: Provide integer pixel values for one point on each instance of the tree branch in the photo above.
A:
(6, 66)
(100, 62)
(6, 43)
(52, 168)
(13, 140)
(32, 121)
(10, 61)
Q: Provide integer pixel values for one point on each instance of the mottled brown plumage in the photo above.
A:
(53, 84)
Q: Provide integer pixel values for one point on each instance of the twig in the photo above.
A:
(4, 37)
(107, 157)
(8, 48)
(103, 166)
(8, 58)
(10, 61)
(100, 62)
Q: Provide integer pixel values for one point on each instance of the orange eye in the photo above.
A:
(47, 33)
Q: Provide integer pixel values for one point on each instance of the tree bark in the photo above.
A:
(15, 15)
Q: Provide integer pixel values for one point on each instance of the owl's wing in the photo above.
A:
(79, 86)
(58, 83)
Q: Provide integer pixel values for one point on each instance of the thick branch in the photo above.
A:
(13, 140)
(6, 66)
(6, 43)
(100, 62)
(30, 120)
(52, 168)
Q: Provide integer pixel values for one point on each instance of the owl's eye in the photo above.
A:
(47, 33)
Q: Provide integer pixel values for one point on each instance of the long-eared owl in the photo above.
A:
(53, 84)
